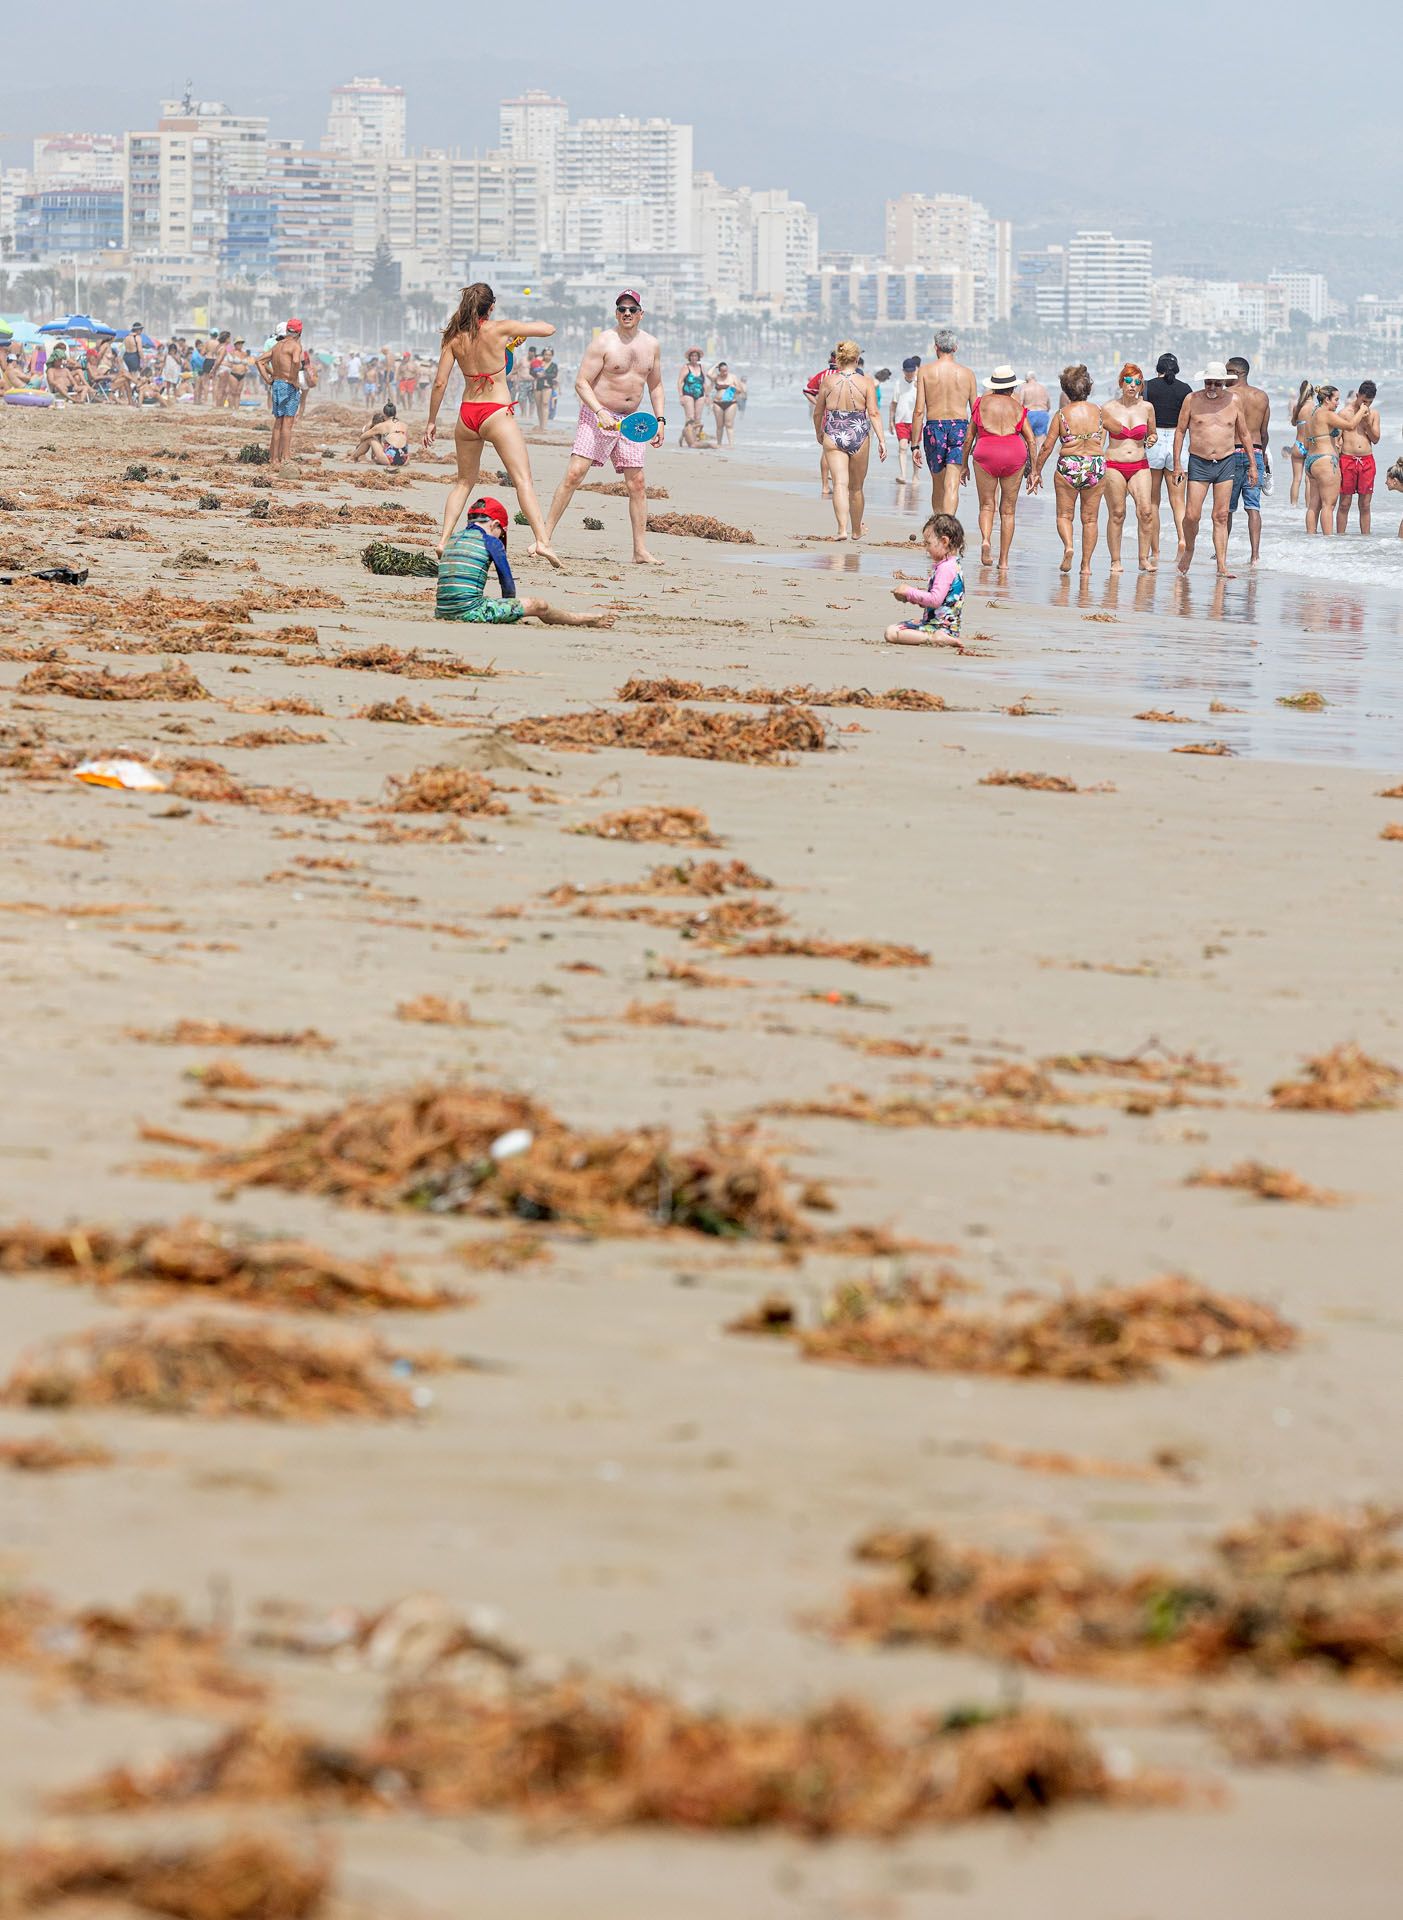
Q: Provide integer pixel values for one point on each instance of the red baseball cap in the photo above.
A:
(294, 326)
(492, 508)
(629, 294)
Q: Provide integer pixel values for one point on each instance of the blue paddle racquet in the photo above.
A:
(639, 426)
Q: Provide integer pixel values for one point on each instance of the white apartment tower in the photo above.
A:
(1108, 285)
(366, 117)
(531, 129)
(784, 248)
(177, 177)
(649, 161)
(950, 233)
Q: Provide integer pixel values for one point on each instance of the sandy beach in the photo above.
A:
(1085, 998)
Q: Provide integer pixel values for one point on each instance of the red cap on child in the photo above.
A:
(492, 508)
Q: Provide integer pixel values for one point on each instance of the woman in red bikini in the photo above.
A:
(476, 343)
(1129, 420)
(1001, 450)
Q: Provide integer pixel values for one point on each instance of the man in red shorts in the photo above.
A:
(1357, 462)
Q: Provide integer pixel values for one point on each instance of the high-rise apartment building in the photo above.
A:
(784, 248)
(721, 235)
(78, 160)
(646, 160)
(753, 246)
(312, 195)
(366, 117)
(531, 128)
(177, 177)
(950, 233)
(1108, 285)
(1304, 292)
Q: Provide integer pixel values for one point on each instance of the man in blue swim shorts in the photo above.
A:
(945, 392)
(284, 368)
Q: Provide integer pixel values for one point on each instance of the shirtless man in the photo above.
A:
(1357, 470)
(385, 439)
(945, 392)
(1036, 398)
(1256, 407)
(1215, 425)
(63, 381)
(618, 364)
(281, 370)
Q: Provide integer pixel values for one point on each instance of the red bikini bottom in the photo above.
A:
(472, 413)
(1127, 469)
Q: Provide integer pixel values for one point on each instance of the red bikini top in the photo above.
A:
(988, 432)
(1128, 433)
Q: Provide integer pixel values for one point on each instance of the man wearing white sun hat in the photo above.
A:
(1215, 425)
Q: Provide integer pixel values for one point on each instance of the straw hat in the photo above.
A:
(1001, 380)
(1215, 370)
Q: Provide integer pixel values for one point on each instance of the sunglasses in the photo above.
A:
(1131, 380)
(628, 309)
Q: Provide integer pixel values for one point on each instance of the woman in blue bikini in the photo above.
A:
(845, 416)
(691, 391)
(726, 390)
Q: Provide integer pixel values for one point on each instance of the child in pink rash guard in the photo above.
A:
(943, 598)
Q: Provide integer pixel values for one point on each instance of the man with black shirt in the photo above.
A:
(1166, 393)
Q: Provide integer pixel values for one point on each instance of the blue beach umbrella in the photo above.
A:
(22, 333)
(81, 324)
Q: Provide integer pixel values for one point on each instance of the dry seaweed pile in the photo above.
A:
(1170, 719)
(1294, 1739)
(1308, 702)
(241, 1877)
(216, 1368)
(1344, 1080)
(670, 729)
(443, 790)
(1113, 1335)
(897, 699)
(403, 712)
(862, 953)
(409, 661)
(952, 1111)
(1040, 782)
(1289, 1593)
(174, 682)
(46, 1454)
(291, 1274)
(1267, 1183)
(410, 1638)
(595, 1755)
(683, 826)
(228, 1033)
(275, 737)
(151, 1653)
(1220, 748)
(705, 877)
(198, 778)
(700, 526)
(616, 490)
(435, 1010)
(1151, 1063)
(464, 1149)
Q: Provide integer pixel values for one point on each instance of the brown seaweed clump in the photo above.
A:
(861, 953)
(198, 778)
(682, 826)
(150, 1653)
(1151, 1063)
(1344, 1080)
(597, 1756)
(172, 682)
(443, 790)
(753, 740)
(45, 1453)
(435, 1010)
(895, 699)
(467, 1149)
(238, 1877)
(1039, 782)
(705, 877)
(700, 526)
(1288, 1594)
(1220, 748)
(195, 1255)
(1110, 1336)
(216, 1368)
(409, 661)
(1015, 1113)
(1267, 1183)
(228, 1033)
(403, 712)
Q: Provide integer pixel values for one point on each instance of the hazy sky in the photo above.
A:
(1184, 119)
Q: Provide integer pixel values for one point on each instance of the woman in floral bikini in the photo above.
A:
(845, 415)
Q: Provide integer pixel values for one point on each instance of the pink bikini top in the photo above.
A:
(1127, 433)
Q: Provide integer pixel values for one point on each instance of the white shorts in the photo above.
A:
(1161, 454)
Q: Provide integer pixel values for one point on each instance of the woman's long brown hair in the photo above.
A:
(477, 302)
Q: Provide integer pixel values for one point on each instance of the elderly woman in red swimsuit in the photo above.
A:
(1000, 452)
(1129, 421)
(477, 343)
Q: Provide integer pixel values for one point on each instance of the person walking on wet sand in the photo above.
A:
(475, 342)
(1357, 467)
(902, 411)
(1078, 437)
(1256, 407)
(618, 364)
(1214, 422)
(845, 416)
(1129, 421)
(1166, 393)
(1001, 451)
(280, 369)
(945, 393)
(1322, 434)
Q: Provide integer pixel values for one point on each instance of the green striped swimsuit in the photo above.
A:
(462, 578)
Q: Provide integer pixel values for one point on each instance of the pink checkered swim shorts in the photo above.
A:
(598, 446)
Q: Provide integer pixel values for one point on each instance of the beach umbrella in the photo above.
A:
(22, 333)
(82, 325)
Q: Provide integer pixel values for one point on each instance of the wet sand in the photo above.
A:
(621, 1484)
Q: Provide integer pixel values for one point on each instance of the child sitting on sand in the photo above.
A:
(462, 577)
(943, 597)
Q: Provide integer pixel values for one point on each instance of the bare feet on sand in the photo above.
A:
(543, 552)
(645, 559)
